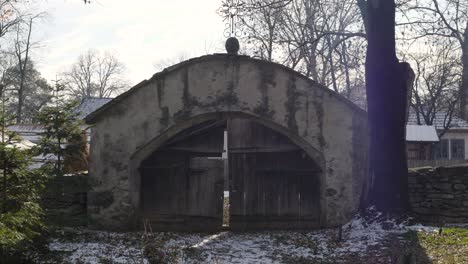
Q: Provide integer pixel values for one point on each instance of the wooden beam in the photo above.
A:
(195, 132)
(263, 150)
(287, 170)
(196, 150)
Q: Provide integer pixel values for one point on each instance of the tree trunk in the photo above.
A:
(59, 157)
(464, 84)
(19, 109)
(332, 66)
(23, 67)
(4, 196)
(346, 69)
(387, 83)
(3, 154)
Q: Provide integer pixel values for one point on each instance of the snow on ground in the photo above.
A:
(268, 247)
(83, 246)
(426, 229)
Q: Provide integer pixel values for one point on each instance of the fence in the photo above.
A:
(65, 200)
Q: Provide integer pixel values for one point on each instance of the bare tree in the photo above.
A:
(109, 75)
(22, 47)
(9, 16)
(431, 20)
(261, 27)
(326, 40)
(19, 49)
(317, 38)
(95, 75)
(435, 90)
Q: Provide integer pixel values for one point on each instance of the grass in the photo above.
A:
(448, 247)
(452, 236)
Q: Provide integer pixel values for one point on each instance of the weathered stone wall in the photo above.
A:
(329, 128)
(65, 200)
(439, 194)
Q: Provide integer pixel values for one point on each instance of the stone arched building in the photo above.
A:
(296, 150)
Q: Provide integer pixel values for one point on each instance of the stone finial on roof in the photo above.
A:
(232, 45)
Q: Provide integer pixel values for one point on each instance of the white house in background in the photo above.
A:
(32, 132)
(424, 149)
(419, 141)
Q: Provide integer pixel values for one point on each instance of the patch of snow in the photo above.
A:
(358, 237)
(209, 239)
(96, 246)
(422, 228)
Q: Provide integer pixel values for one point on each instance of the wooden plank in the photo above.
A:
(197, 150)
(189, 195)
(182, 188)
(263, 150)
(270, 189)
(285, 171)
(205, 188)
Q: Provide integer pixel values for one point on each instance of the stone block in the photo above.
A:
(443, 186)
(101, 199)
(412, 180)
(447, 196)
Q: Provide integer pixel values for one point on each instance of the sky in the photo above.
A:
(141, 33)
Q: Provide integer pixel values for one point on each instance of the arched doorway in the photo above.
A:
(272, 182)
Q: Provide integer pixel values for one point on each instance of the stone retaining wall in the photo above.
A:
(65, 200)
(439, 194)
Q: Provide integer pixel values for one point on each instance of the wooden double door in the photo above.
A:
(272, 183)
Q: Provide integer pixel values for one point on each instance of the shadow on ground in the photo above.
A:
(413, 252)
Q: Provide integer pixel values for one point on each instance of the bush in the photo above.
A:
(21, 223)
(19, 229)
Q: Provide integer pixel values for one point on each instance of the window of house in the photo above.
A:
(457, 148)
(441, 149)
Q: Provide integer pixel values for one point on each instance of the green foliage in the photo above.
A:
(62, 136)
(448, 247)
(37, 92)
(18, 229)
(21, 215)
(449, 236)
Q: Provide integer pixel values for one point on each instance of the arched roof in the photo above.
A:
(91, 118)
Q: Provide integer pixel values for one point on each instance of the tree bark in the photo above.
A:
(464, 83)
(23, 67)
(3, 154)
(332, 66)
(387, 83)
(346, 70)
(4, 196)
